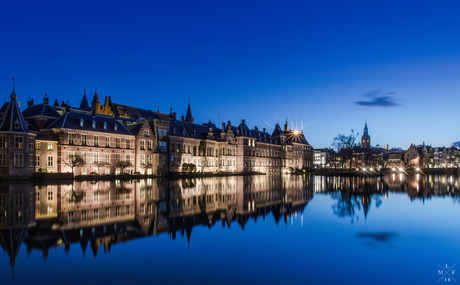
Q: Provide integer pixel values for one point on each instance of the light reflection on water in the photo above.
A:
(360, 227)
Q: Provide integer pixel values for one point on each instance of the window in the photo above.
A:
(160, 131)
(115, 127)
(71, 217)
(107, 142)
(96, 214)
(128, 158)
(83, 156)
(18, 159)
(127, 210)
(118, 142)
(83, 198)
(149, 159)
(18, 198)
(50, 210)
(141, 208)
(117, 211)
(37, 145)
(142, 144)
(107, 158)
(50, 195)
(150, 145)
(71, 138)
(37, 197)
(96, 141)
(96, 158)
(96, 197)
(83, 139)
(2, 159)
(82, 123)
(3, 142)
(83, 216)
(93, 124)
(107, 213)
(18, 217)
(50, 161)
(18, 142)
(128, 143)
(105, 126)
(142, 159)
(16, 124)
(149, 208)
(117, 157)
(146, 133)
(165, 132)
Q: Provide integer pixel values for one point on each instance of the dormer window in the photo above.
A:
(183, 132)
(174, 130)
(105, 126)
(194, 133)
(16, 124)
(115, 127)
(94, 124)
(146, 133)
(82, 122)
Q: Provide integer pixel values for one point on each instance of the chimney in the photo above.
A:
(264, 130)
(30, 103)
(223, 125)
(256, 128)
(46, 100)
(174, 116)
(182, 118)
(67, 108)
(242, 121)
(229, 125)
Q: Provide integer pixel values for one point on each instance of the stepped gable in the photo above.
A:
(12, 120)
(72, 119)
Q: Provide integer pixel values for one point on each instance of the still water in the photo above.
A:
(233, 230)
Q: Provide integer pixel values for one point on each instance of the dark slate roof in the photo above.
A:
(176, 129)
(137, 113)
(4, 107)
(46, 137)
(12, 116)
(95, 98)
(43, 110)
(84, 102)
(134, 128)
(71, 120)
(197, 131)
(188, 117)
(300, 138)
(56, 103)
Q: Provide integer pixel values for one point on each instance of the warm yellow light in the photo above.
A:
(296, 132)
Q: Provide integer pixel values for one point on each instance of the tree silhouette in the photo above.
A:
(344, 145)
(73, 161)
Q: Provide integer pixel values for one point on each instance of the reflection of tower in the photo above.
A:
(366, 139)
(366, 203)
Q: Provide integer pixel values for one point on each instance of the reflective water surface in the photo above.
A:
(240, 229)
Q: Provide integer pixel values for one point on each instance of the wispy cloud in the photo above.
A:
(379, 98)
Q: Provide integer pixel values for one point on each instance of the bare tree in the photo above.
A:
(73, 161)
(99, 165)
(123, 165)
(344, 145)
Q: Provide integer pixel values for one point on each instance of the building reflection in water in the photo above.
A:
(105, 213)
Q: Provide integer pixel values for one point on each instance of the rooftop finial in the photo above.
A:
(13, 83)
(189, 99)
(158, 106)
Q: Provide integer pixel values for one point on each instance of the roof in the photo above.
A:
(71, 120)
(189, 117)
(176, 129)
(12, 120)
(84, 102)
(43, 110)
(95, 98)
(137, 113)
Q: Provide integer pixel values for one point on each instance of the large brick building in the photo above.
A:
(113, 138)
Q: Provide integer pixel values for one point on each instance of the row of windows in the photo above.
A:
(84, 141)
(18, 142)
(97, 215)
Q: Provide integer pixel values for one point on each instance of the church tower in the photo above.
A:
(189, 118)
(366, 139)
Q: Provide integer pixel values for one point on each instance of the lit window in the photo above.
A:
(18, 142)
(71, 138)
(150, 145)
(93, 124)
(50, 195)
(50, 161)
(118, 142)
(107, 142)
(128, 143)
(82, 123)
(83, 139)
(142, 144)
(116, 127)
(105, 126)
(96, 214)
(146, 133)
(96, 141)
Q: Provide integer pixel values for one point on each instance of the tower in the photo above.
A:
(366, 139)
(188, 116)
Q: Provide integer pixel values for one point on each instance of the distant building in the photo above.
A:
(366, 139)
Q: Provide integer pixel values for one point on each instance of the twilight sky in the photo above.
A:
(326, 64)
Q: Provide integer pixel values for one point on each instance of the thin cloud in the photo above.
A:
(378, 98)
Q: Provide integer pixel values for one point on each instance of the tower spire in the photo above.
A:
(13, 83)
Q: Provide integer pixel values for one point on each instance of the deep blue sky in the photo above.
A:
(259, 61)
